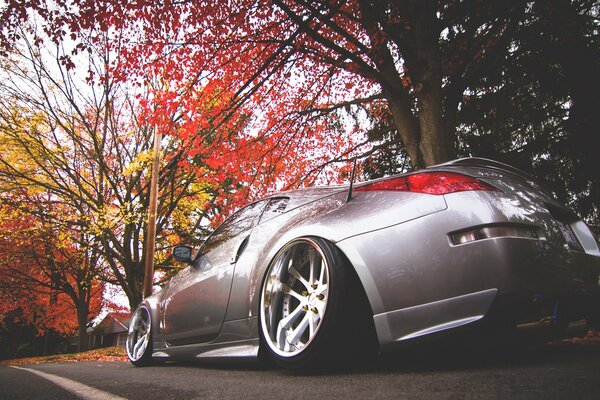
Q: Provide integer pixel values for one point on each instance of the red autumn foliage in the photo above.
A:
(251, 98)
(43, 276)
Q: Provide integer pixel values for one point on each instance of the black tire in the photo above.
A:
(313, 310)
(139, 338)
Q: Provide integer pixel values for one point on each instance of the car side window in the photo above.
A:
(275, 207)
(239, 222)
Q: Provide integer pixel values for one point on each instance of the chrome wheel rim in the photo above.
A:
(138, 336)
(294, 297)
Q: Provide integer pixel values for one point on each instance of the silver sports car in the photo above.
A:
(314, 275)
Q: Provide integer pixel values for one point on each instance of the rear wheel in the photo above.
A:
(139, 338)
(308, 314)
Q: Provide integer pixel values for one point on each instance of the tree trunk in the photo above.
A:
(407, 127)
(434, 146)
(421, 126)
(424, 63)
(82, 335)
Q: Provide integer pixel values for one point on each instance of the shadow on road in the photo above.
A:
(440, 359)
(435, 359)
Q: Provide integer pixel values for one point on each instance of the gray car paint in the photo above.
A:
(416, 280)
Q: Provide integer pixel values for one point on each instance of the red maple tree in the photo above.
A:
(273, 105)
(45, 277)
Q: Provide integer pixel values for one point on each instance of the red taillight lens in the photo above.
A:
(437, 183)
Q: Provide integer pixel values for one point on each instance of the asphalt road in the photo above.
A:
(548, 372)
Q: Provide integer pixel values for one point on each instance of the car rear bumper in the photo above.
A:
(425, 282)
(425, 319)
(523, 316)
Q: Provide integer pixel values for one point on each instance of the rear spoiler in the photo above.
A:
(485, 162)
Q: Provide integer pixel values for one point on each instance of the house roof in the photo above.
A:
(113, 323)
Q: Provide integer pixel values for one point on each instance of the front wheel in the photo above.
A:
(306, 305)
(139, 338)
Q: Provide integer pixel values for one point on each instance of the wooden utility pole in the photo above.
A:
(152, 211)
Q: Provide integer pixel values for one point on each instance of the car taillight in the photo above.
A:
(437, 183)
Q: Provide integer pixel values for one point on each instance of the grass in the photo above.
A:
(104, 354)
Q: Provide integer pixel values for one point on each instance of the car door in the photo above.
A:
(196, 300)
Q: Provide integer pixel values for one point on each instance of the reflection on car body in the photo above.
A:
(310, 277)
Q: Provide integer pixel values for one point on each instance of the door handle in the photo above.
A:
(240, 250)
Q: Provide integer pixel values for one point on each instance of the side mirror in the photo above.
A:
(183, 254)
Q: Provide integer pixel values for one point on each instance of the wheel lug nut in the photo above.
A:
(305, 307)
(314, 286)
(321, 296)
(314, 309)
(304, 293)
